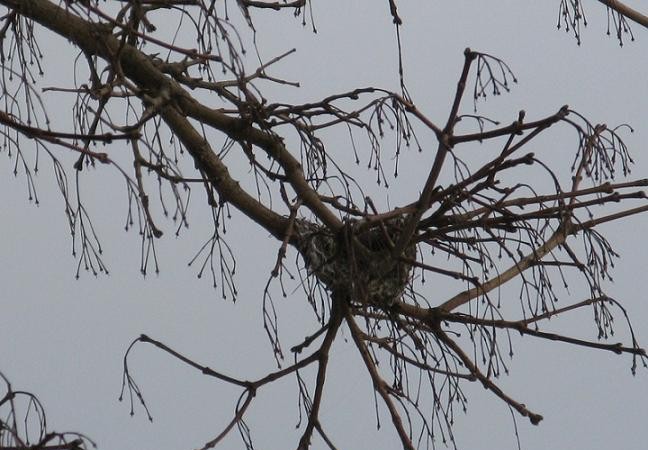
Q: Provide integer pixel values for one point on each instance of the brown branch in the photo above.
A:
(269, 378)
(126, 28)
(251, 387)
(486, 382)
(444, 146)
(273, 376)
(514, 128)
(379, 384)
(56, 138)
(325, 437)
(76, 444)
(507, 218)
(166, 3)
(273, 5)
(612, 217)
(555, 312)
(95, 40)
(204, 369)
(556, 239)
(219, 176)
(522, 328)
(308, 340)
(141, 191)
(238, 416)
(385, 345)
(273, 146)
(626, 11)
(42, 133)
(322, 358)
(605, 188)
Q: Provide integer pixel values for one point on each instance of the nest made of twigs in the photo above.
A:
(358, 265)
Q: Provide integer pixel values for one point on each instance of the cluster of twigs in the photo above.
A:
(571, 15)
(23, 424)
(469, 225)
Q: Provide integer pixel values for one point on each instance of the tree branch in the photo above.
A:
(626, 11)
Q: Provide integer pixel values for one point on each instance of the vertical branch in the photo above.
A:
(322, 363)
(442, 150)
(144, 198)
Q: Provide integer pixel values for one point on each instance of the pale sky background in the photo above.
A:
(64, 339)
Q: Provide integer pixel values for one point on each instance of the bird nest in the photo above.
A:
(358, 265)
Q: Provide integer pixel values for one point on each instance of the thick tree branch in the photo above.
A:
(97, 40)
(357, 263)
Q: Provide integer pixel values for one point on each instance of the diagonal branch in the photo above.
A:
(322, 356)
(626, 11)
(94, 39)
(522, 328)
(486, 382)
(378, 383)
(556, 239)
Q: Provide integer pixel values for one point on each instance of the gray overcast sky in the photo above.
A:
(64, 339)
